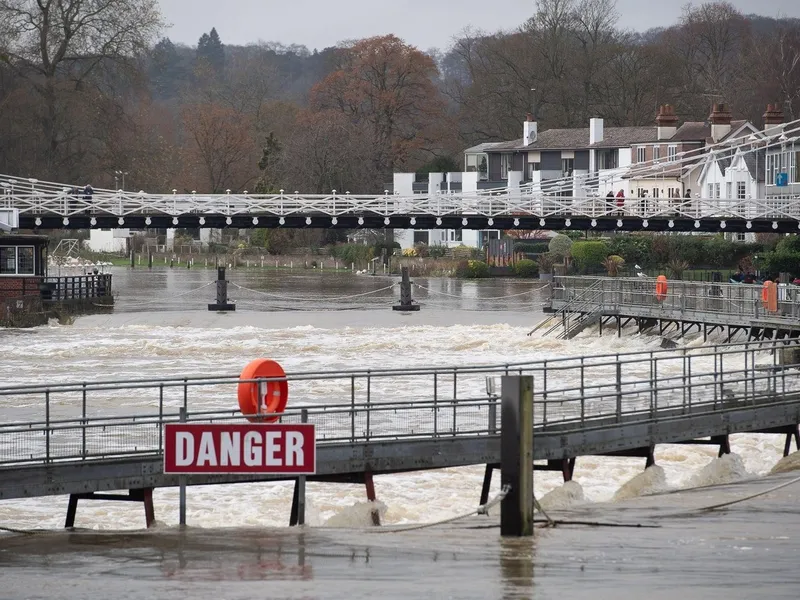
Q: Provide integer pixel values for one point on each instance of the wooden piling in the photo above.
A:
(516, 455)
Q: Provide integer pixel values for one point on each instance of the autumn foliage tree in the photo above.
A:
(387, 87)
(221, 146)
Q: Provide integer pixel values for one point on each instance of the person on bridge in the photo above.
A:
(610, 200)
(620, 201)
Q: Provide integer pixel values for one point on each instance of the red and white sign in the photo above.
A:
(250, 448)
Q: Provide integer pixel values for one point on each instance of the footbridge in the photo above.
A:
(88, 439)
(705, 307)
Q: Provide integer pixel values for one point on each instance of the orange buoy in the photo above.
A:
(765, 293)
(275, 396)
(661, 288)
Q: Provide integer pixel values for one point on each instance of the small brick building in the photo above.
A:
(23, 265)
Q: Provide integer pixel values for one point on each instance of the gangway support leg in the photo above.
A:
(793, 434)
(298, 514)
(487, 484)
(72, 508)
(724, 444)
(143, 495)
(370, 485)
(568, 468)
(651, 458)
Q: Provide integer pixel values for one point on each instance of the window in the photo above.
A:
(17, 260)
(477, 163)
(729, 189)
(656, 153)
(533, 167)
(672, 152)
(641, 156)
(567, 166)
(456, 235)
(656, 191)
(607, 159)
(716, 190)
(505, 165)
(741, 190)
(710, 190)
(421, 237)
(783, 162)
(741, 237)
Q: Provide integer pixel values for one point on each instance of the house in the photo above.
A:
(782, 161)
(23, 266)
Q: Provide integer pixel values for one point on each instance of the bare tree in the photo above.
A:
(57, 45)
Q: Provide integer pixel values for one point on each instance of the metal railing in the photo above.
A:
(67, 422)
(741, 300)
(56, 289)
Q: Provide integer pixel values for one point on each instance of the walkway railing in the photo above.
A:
(45, 423)
(741, 300)
(82, 287)
(538, 200)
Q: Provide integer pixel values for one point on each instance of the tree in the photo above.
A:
(58, 45)
(222, 145)
(386, 86)
(211, 50)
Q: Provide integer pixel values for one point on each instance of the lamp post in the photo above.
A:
(122, 173)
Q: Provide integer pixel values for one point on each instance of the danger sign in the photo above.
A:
(251, 448)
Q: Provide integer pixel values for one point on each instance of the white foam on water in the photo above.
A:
(726, 469)
(787, 464)
(357, 515)
(569, 494)
(650, 481)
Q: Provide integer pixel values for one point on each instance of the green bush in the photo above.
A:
(437, 251)
(352, 253)
(589, 255)
(472, 269)
(526, 268)
(785, 257)
(635, 249)
(532, 246)
(560, 246)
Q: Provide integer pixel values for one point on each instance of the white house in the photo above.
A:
(109, 240)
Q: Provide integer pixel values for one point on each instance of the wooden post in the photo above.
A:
(150, 259)
(370, 485)
(133, 259)
(516, 455)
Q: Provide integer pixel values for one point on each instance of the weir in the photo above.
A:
(86, 442)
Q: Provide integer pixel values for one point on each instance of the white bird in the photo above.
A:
(640, 274)
(637, 267)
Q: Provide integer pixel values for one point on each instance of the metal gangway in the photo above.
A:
(714, 304)
(93, 436)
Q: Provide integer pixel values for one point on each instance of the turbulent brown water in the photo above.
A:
(236, 546)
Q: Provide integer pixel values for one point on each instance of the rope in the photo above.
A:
(430, 291)
(483, 509)
(160, 300)
(731, 502)
(279, 297)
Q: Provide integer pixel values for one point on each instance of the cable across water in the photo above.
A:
(292, 298)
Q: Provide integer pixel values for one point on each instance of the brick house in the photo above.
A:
(23, 265)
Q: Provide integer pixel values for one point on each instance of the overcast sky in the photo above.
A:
(423, 23)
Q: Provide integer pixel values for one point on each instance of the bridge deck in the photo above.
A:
(584, 405)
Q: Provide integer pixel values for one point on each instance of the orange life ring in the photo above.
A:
(661, 288)
(275, 398)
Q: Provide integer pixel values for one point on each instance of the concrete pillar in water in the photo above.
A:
(516, 455)
(222, 303)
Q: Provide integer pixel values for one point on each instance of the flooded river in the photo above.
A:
(237, 545)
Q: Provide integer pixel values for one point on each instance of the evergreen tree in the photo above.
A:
(211, 50)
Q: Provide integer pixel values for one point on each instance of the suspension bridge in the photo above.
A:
(575, 202)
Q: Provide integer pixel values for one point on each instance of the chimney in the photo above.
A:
(666, 122)
(773, 119)
(595, 131)
(530, 130)
(720, 118)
